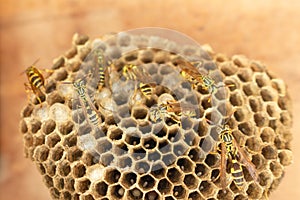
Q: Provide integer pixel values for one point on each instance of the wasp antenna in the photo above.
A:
(67, 82)
(37, 60)
(30, 65)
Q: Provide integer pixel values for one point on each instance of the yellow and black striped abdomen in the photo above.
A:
(146, 89)
(35, 78)
(237, 173)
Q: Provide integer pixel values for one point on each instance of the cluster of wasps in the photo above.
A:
(230, 150)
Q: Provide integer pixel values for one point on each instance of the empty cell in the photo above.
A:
(191, 181)
(174, 175)
(83, 185)
(49, 126)
(101, 188)
(78, 170)
(164, 186)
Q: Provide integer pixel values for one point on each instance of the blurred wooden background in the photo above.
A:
(268, 31)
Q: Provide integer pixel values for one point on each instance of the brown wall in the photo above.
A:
(265, 30)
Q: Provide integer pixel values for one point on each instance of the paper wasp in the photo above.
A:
(101, 63)
(231, 151)
(190, 73)
(89, 108)
(145, 85)
(172, 109)
(36, 81)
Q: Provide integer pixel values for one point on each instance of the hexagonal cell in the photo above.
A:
(120, 149)
(164, 186)
(225, 194)
(149, 143)
(74, 154)
(174, 175)
(212, 160)
(78, 170)
(64, 168)
(106, 159)
(132, 139)
(236, 99)
(112, 176)
(38, 140)
(206, 188)
(254, 144)
(269, 152)
(146, 182)
(83, 185)
(268, 94)
(190, 138)
(128, 179)
(103, 146)
(185, 164)
(52, 139)
(66, 128)
(70, 140)
(57, 153)
(154, 156)
(179, 192)
(65, 195)
(117, 191)
(259, 161)
(142, 167)
(101, 189)
(41, 153)
(115, 134)
(27, 111)
(254, 191)
(58, 183)
(255, 104)
(49, 126)
(125, 162)
(168, 159)
(164, 147)
(54, 193)
(191, 181)
(158, 170)
(285, 157)
(196, 154)
(195, 196)
(35, 125)
(276, 169)
(201, 170)
(139, 113)
(260, 119)
(247, 128)
(135, 193)
(139, 153)
(152, 195)
(180, 149)
(48, 181)
(267, 135)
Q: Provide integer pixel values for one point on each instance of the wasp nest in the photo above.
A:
(128, 155)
